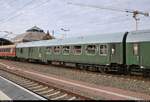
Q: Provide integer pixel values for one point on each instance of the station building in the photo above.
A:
(33, 34)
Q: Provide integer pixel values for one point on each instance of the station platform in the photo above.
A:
(12, 91)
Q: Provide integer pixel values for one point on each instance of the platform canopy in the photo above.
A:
(4, 41)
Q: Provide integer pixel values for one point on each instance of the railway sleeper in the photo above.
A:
(59, 97)
(46, 92)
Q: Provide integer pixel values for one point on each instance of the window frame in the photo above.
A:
(48, 51)
(64, 49)
(21, 50)
(133, 47)
(60, 48)
(113, 46)
(75, 51)
(106, 50)
(90, 53)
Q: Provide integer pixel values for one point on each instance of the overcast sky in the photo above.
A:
(19, 15)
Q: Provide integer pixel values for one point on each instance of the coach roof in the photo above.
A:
(139, 36)
(90, 39)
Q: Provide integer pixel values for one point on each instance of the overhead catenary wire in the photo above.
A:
(94, 6)
(15, 15)
(108, 8)
(16, 11)
(134, 12)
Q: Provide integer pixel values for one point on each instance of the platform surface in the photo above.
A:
(12, 91)
(3, 96)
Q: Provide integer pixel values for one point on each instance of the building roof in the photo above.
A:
(35, 28)
(29, 36)
(33, 34)
(4, 41)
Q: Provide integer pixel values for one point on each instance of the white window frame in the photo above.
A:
(114, 49)
(49, 51)
(105, 54)
(57, 52)
(75, 52)
(11, 50)
(89, 53)
(137, 49)
(64, 49)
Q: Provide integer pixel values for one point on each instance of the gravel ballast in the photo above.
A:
(89, 77)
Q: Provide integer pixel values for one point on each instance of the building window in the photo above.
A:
(57, 49)
(135, 49)
(103, 50)
(49, 50)
(66, 50)
(91, 49)
(77, 50)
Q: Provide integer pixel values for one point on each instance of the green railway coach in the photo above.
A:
(121, 52)
(138, 51)
(92, 52)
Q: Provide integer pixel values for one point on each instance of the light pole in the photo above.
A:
(65, 30)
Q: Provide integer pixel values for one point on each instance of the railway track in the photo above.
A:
(44, 90)
(109, 74)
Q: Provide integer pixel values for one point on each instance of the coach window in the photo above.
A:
(103, 50)
(7, 50)
(49, 50)
(91, 49)
(57, 49)
(11, 50)
(39, 50)
(21, 50)
(66, 50)
(77, 50)
(135, 49)
(113, 49)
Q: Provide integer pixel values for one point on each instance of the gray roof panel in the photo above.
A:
(139, 36)
(91, 39)
(134, 36)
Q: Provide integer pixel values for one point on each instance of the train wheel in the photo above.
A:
(146, 73)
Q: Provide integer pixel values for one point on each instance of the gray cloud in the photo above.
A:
(55, 14)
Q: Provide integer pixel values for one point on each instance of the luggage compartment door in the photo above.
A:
(115, 53)
(136, 54)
